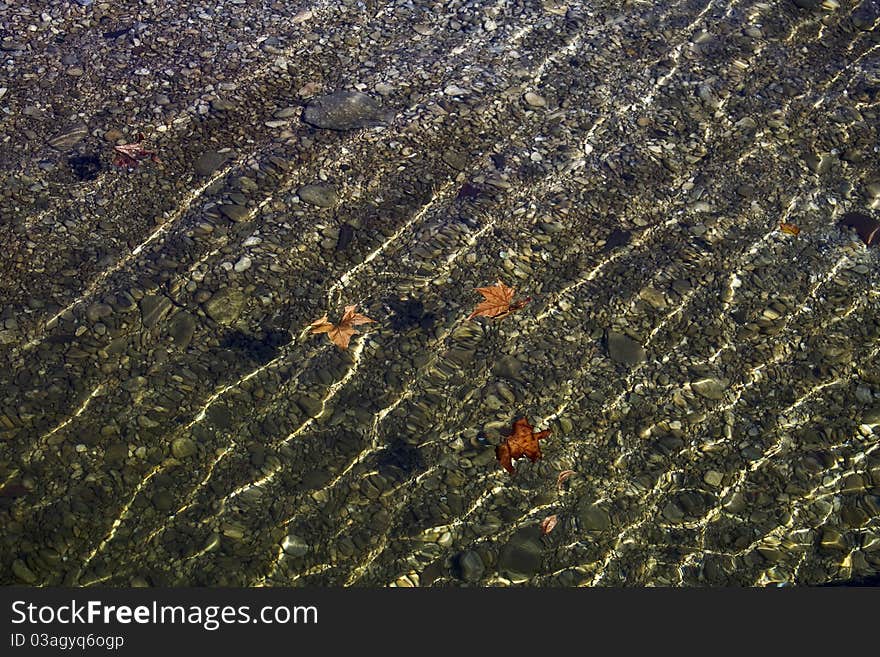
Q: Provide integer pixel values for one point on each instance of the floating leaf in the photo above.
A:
(340, 334)
(497, 301)
(522, 441)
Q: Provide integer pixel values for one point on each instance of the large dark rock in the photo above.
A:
(624, 349)
(345, 110)
(521, 556)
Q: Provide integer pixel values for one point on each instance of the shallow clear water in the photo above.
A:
(708, 378)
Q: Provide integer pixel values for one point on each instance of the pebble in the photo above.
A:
(592, 517)
(345, 110)
(710, 388)
(320, 195)
(220, 105)
(160, 362)
(653, 297)
(623, 349)
(208, 162)
(243, 264)
(182, 448)
(470, 566)
(98, 311)
(454, 90)
(182, 328)
(235, 212)
(521, 557)
(294, 546)
(163, 500)
(25, 574)
(69, 137)
(226, 305)
(534, 99)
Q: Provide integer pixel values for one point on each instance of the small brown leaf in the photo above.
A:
(498, 301)
(547, 524)
(522, 441)
(790, 229)
(563, 477)
(340, 334)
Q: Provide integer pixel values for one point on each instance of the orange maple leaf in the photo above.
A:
(522, 441)
(497, 301)
(340, 334)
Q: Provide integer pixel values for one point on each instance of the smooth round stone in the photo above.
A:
(220, 105)
(507, 367)
(534, 99)
(225, 306)
(183, 448)
(234, 212)
(25, 574)
(673, 512)
(310, 406)
(710, 388)
(593, 518)
(243, 264)
(345, 110)
(154, 308)
(69, 137)
(294, 546)
(163, 500)
(209, 162)
(653, 297)
(521, 556)
(182, 329)
(286, 112)
(624, 349)
(454, 90)
(98, 311)
(323, 196)
(470, 566)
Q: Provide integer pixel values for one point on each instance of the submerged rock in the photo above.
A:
(323, 196)
(624, 349)
(345, 110)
